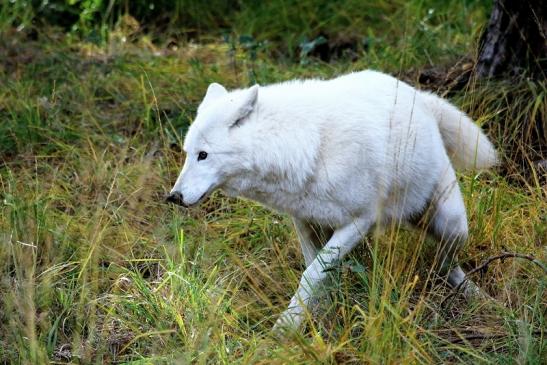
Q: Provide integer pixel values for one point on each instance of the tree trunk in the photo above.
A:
(515, 40)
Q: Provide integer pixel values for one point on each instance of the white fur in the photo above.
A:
(339, 156)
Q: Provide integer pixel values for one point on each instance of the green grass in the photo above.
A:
(97, 269)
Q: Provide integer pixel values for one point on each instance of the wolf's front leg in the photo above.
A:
(339, 245)
(312, 238)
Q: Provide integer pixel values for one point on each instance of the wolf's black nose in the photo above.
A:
(175, 198)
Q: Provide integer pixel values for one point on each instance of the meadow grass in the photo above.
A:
(97, 269)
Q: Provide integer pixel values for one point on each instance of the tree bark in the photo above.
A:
(515, 40)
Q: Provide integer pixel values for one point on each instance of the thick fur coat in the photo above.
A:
(337, 155)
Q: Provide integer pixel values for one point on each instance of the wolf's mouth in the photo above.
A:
(201, 198)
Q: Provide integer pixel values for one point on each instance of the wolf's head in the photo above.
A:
(211, 144)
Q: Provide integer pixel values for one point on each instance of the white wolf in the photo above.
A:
(339, 156)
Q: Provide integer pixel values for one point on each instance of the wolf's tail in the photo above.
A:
(466, 144)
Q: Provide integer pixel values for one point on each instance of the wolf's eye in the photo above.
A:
(202, 155)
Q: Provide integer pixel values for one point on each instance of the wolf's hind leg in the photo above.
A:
(448, 225)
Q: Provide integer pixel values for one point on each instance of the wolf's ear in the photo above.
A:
(214, 91)
(246, 105)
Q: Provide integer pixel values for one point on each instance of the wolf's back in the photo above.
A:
(466, 144)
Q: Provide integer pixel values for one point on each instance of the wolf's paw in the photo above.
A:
(472, 291)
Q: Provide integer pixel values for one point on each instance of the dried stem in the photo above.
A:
(488, 261)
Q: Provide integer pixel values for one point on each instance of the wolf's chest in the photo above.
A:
(301, 205)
